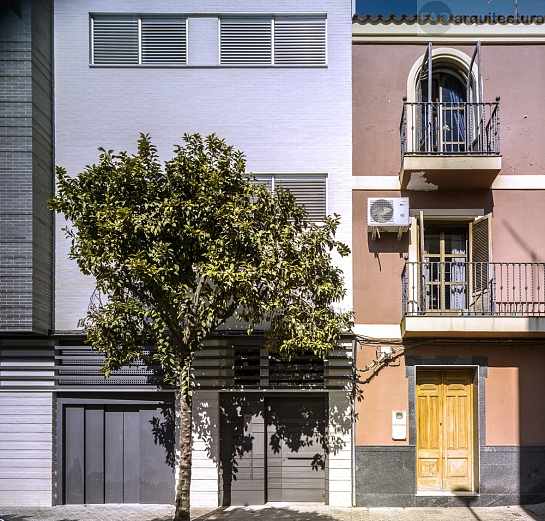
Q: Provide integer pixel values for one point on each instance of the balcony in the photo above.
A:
(449, 145)
(473, 299)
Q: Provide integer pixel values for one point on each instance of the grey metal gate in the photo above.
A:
(118, 453)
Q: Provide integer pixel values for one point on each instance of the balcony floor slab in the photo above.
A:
(472, 326)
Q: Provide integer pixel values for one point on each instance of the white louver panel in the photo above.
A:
(299, 41)
(245, 41)
(163, 41)
(115, 41)
(309, 191)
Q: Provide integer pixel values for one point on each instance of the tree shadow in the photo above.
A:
(163, 430)
(276, 447)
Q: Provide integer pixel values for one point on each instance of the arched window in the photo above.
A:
(445, 112)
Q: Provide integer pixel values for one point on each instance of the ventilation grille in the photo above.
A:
(309, 190)
(115, 41)
(299, 42)
(245, 41)
(163, 41)
(381, 211)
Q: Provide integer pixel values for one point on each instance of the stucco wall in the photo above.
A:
(284, 119)
(514, 414)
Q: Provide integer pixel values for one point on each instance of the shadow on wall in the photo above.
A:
(275, 448)
(163, 430)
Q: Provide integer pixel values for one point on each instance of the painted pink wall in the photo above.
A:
(516, 73)
(515, 410)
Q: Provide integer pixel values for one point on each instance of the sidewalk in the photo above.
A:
(271, 511)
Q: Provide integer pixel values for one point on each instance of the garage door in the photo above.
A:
(272, 449)
(296, 456)
(118, 454)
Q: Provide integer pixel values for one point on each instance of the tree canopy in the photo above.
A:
(177, 250)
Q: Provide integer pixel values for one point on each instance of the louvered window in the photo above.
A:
(139, 41)
(245, 41)
(299, 41)
(308, 189)
(287, 40)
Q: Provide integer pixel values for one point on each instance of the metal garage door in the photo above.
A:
(272, 449)
(296, 455)
(118, 454)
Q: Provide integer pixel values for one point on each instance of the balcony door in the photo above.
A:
(443, 117)
(455, 275)
(446, 255)
(445, 430)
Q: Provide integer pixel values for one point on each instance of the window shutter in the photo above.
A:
(245, 41)
(115, 41)
(265, 180)
(163, 41)
(299, 41)
(309, 191)
(480, 254)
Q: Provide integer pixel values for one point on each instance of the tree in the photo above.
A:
(177, 251)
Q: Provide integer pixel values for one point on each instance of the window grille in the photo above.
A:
(293, 40)
(138, 41)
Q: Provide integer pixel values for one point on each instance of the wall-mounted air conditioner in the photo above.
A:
(388, 214)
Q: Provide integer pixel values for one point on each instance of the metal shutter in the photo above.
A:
(309, 191)
(263, 180)
(163, 41)
(115, 41)
(299, 41)
(245, 41)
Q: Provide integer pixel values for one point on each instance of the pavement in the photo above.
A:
(272, 511)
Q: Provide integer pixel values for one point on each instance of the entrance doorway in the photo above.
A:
(445, 430)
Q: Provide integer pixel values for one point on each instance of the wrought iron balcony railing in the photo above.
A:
(474, 288)
(450, 128)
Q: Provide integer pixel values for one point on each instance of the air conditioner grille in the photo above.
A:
(382, 211)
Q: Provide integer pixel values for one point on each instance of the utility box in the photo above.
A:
(399, 425)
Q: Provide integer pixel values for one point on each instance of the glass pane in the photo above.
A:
(432, 243)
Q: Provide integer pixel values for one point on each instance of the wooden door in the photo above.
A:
(444, 409)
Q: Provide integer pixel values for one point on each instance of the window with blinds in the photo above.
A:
(283, 41)
(138, 41)
(309, 190)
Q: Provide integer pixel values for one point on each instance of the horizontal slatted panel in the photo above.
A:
(163, 41)
(265, 180)
(115, 41)
(245, 41)
(299, 41)
(309, 192)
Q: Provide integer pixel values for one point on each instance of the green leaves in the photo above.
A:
(176, 250)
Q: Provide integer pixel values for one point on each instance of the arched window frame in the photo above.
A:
(459, 64)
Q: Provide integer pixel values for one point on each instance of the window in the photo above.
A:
(308, 189)
(286, 40)
(455, 265)
(138, 40)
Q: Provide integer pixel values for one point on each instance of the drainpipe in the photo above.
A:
(353, 419)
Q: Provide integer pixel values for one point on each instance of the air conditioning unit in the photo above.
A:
(388, 214)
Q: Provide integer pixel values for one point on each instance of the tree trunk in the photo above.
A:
(185, 444)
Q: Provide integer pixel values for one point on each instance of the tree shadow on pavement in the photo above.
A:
(291, 513)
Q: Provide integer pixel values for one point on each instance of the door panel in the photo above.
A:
(444, 430)
(296, 458)
(118, 454)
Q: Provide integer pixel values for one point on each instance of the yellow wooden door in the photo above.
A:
(444, 411)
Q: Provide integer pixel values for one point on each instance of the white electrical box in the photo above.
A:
(399, 425)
